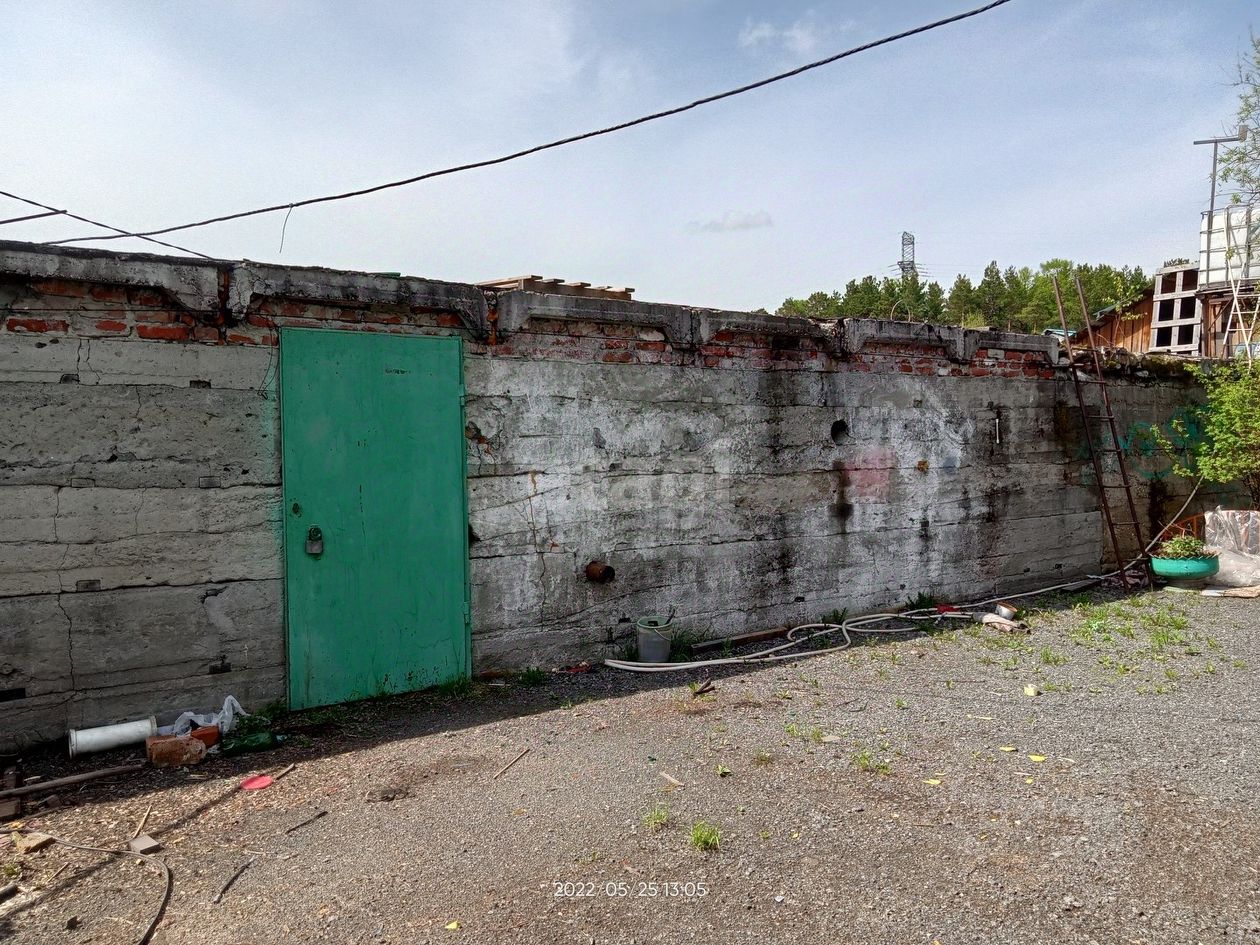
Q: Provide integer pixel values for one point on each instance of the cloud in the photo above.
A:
(804, 37)
(735, 220)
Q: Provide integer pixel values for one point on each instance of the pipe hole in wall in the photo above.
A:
(599, 572)
(12, 695)
(839, 430)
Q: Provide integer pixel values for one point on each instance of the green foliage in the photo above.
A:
(1240, 163)
(1181, 547)
(1228, 449)
(705, 836)
(1017, 299)
(657, 818)
(533, 676)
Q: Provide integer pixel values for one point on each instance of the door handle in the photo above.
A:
(314, 541)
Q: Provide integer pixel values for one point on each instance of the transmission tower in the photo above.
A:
(906, 265)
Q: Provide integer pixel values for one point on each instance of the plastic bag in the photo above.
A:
(190, 720)
(1235, 535)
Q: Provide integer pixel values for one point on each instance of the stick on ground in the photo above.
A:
(233, 878)
(524, 752)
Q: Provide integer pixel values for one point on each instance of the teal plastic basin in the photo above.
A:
(1186, 569)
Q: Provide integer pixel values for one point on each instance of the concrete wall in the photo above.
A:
(745, 470)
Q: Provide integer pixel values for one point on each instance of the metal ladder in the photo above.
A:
(1097, 451)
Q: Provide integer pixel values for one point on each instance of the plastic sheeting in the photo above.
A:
(1235, 534)
(190, 720)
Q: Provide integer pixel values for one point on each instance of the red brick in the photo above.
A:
(158, 317)
(265, 338)
(618, 357)
(38, 324)
(108, 293)
(149, 297)
(206, 333)
(613, 344)
(60, 287)
(650, 346)
(724, 336)
(170, 751)
(163, 332)
(446, 320)
(109, 324)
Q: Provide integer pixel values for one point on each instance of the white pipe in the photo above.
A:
(87, 740)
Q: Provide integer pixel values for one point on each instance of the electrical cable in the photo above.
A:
(572, 139)
(121, 234)
(166, 894)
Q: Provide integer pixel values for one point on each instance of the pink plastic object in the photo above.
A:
(256, 782)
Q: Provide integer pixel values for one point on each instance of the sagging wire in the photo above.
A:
(868, 623)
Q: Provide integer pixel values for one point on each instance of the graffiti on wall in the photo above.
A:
(1152, 450)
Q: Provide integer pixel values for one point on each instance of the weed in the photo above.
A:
(921, 601)
(764, 834)
(533, 676)
(1209, 668)
(261, 721)
(950, 684)
(763, 759)
(1049, 657)
(1239, 664)
(835, 618)
(866, 760)
(11, 870)
(794, 730)
(682, 644)
(723, 771)
(457, 687)
(657, 818)
(705, 836)
(901, 704)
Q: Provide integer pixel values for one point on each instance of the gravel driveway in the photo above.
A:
(907, 790)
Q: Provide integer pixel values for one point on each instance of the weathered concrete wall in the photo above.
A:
(746, 470)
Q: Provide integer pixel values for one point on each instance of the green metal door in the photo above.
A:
(375, 513)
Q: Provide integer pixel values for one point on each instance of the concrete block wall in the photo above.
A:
(743, 469)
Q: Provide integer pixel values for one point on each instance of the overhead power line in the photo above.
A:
(121, 234)
(572, 139)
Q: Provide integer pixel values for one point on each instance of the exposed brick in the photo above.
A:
(613, 344)
(147, 297)
(163, 332)
(650, 346)
(447, 320)
(618, 357)
(162, 317)
(38, 325)
(109, 293)
(61, 287)
(110, 324)
(263, 338)
(206, 333)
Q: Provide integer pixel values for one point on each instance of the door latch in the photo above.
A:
(314, 541)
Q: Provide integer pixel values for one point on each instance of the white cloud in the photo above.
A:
(754, 34)
(804, 37)
(736, 220)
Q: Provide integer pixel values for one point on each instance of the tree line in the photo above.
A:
(1012, 299)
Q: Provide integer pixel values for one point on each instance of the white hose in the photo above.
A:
(862, 624)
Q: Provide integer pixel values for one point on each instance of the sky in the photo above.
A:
(1045, 128)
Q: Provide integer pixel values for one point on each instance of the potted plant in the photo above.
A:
(1185, 558)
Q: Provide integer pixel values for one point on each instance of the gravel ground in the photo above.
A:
(907, 790)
